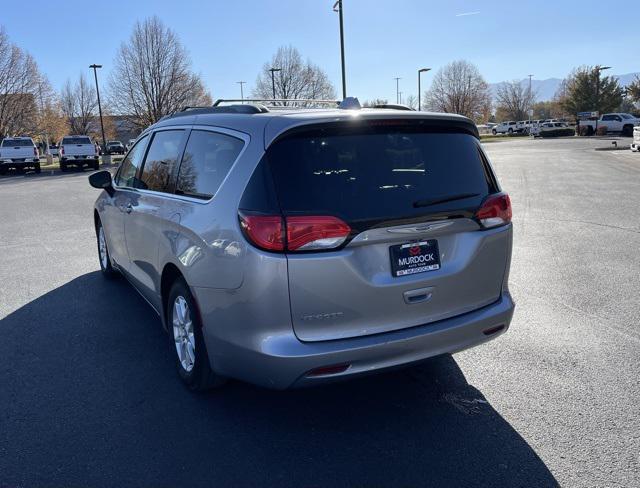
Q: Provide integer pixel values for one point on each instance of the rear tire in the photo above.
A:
(185, 330)
(63, 167)
(96, 165)
(37, 168)
(3, 170)
(104, 258)
(627, 130)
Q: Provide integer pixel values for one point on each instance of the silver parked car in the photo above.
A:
(291, 247)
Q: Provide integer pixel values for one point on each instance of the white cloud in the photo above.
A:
(465, 14)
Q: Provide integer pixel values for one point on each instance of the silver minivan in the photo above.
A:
(291, 247)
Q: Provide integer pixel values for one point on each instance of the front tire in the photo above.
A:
(190, 351)
(494, 132)
(104, 258)
(37, 168)
(63, 167)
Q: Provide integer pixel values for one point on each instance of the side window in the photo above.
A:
(606, 117)
(618, 118)
(128, 169)
(207, 160)
(162, 160)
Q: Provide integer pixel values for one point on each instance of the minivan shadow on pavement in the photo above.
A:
(89, 397)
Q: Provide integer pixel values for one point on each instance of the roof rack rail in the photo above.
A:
(226, 109)
(393, 106)
(281, 102)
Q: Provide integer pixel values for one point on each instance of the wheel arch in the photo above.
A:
(96, 218)
(170, 273)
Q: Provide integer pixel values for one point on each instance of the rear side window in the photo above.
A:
(76, 140)
(126, 175)
(17, 143)
(385, 175)
(162, 160)
(207, 159)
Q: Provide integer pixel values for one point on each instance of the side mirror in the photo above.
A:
(102, 181)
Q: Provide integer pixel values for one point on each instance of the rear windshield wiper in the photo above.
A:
(435, 201)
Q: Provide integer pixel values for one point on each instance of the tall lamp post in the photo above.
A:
(337, 7)
(241, 83)
(420, 71)
(598, 69)
(530, 101)
(95, 75)
(397, 78)
(273, 80)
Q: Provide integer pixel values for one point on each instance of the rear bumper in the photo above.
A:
(79, 159)
(19, 163)
(281, 361)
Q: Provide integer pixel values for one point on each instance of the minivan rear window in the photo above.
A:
(76, 140)
(372, 176)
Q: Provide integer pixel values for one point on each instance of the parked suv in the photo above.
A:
(508, 127)
(19, 153)
(115, 147)
(294, 247)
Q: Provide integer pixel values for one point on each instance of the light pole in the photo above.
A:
(337, 7)
(95, 74)
(241, 83)
(397, 78)
(420, 71)
(400, 97)
(273, 80)
(530, 101)
(598, 68)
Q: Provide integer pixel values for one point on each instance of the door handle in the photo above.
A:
(128, 208)
(418, 296)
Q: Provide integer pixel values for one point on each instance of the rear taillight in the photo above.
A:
(495, 211)
(264, 231)
(61, 150)
(35, 151)
(310, 233)
(297, 233)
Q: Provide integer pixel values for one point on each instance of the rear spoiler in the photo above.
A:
(430, 124)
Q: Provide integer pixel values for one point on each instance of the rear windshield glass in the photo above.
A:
(76, 140)
(379, 175)
(17, 143)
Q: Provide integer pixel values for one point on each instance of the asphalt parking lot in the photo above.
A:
(89, 396)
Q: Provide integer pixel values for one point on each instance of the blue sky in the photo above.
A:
(230, 40)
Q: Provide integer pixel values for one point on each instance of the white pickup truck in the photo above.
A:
(615, 122)
(635, 145)
(19, 153)
(78, 151)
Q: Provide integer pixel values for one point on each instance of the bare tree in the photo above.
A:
(411, 101)
(19, 82)
(296, 78)
(514, 99)
(79, 104)
(459, 88)
(375, 101)
(152, 75)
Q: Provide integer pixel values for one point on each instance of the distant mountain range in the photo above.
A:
(546, 89)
